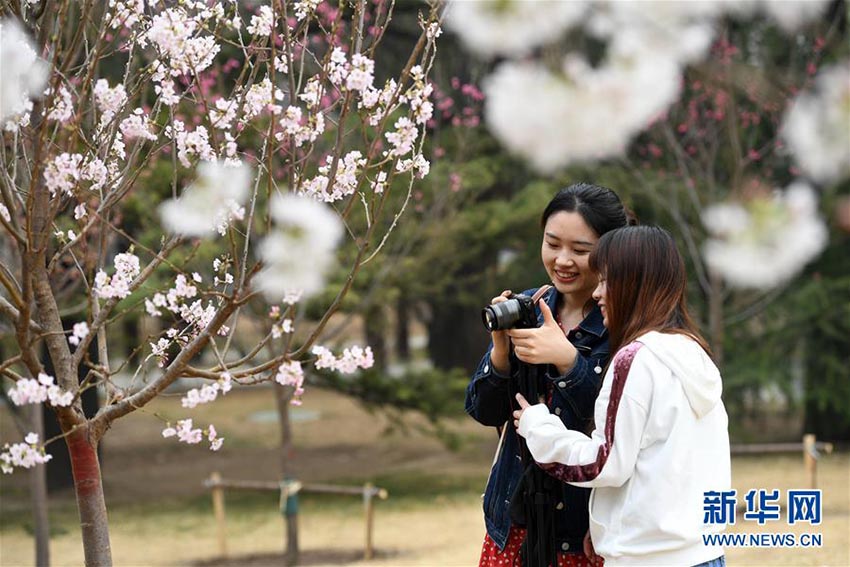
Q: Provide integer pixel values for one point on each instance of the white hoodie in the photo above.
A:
(661, 441)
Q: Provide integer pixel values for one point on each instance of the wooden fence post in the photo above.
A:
(810, 461)
(218, 509)
(368, 493)
(289, 490)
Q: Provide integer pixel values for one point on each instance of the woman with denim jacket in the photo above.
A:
(570, 348)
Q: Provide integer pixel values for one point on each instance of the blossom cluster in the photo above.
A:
(222, 276)
(553, 115)
(63, 105)
(355, 75)
(816, 126)
(211, 203)
(126, 13)
(32, 391)
(25, 455)
(279, 329)
(300, 129)
(109, 100)
(117, 285)
(99, 133)
(345, 181)
(24, 75)
(765, 241)
(290, 373)
(352, 358)
(78, 333)
(186, 432)
(303, 229)
(137, 125)
(196, 315)
(173, 32)
(208, 392)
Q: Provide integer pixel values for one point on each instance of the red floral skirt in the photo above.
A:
(510, 556)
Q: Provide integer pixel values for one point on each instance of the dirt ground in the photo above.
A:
(160, 514)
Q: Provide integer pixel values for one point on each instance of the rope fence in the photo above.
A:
(289, 490)
(810, 447)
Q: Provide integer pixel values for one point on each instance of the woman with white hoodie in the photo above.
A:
(661, 439)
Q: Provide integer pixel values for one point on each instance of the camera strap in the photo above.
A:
(541, 291)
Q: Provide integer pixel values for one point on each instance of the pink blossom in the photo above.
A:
(31, 391)
(63, 106)
(109, 101)
(79, 332)
(304, 8)
(118, 285)
(260, 97)
(186, 433)
(137, 125)
(361, 73)
(126, 13)
(403, 138)
(97, 172)
(62, 174)
(351, 359)
(25, 455)
(262, 22)
(290, 374)
(312, 92)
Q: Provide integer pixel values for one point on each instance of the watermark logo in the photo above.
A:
(804, 506)
(762, 506)
(719, 507)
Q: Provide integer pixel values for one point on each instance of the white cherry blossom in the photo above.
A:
(303, 228)
(24, 73)
(765, 241)
(210, 203)
(816, 127)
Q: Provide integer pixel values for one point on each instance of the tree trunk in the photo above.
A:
(402, 337)
(456, 337)
(375, 323)
(715, 318)
(90, 501)
(59, 476)
(283, 395)
(38, 495)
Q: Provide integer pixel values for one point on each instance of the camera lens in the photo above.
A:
(489, 318)
(501, 316)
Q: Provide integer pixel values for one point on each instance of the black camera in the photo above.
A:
(515, 313)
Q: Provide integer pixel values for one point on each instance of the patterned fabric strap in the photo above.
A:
(582, 473)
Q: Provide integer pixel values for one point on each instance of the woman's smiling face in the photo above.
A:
(567, 242)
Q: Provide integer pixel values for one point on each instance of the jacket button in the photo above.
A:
(557, 411)
(562, 384)
(578, 334)
(559, 506)
(565, 546)
(598, 369)
(486, 368)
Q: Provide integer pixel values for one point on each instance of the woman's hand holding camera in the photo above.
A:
(546, 344)
(501, 342)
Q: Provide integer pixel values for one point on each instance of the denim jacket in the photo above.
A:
(488, 401)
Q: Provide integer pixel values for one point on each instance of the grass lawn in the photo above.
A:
(160, 514)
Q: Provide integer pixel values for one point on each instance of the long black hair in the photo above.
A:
(600, 207)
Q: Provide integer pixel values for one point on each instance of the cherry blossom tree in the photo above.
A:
(555, 101)
(280, 145)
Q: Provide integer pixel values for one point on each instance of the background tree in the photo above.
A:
(272, 122)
